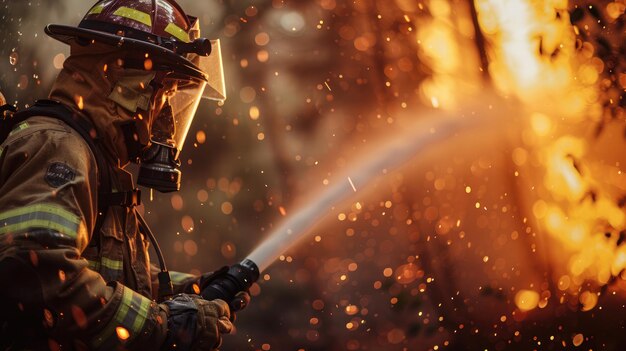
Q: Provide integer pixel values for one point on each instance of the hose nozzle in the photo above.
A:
(238, 278)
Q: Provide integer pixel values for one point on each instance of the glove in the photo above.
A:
(195, 324)
(239, 302)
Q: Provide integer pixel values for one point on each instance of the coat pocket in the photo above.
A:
(110, 259)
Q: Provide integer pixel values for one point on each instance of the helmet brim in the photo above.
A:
(158, 54)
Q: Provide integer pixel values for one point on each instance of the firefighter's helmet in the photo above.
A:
(136, 25)
(189, 66)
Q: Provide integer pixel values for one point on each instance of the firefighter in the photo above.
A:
(73, 249)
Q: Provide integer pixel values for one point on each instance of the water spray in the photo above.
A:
(426, 133)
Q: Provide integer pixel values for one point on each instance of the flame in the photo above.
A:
(441, 47)
(534, 59)
(534, 55)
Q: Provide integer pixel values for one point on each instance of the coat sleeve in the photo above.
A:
(182, 282)
(48, 204)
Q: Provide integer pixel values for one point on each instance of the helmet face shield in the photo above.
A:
(212, 67)
(171, 125)
(182, 97)
(178, 103)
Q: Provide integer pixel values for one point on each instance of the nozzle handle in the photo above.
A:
(239, 277)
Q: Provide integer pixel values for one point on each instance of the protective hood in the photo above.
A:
(85, 83)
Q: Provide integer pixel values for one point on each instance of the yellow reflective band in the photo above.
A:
(111, 264)
(1, 149)
(178, 277)
(131, 315)
(96, 10)
(19, 128)
(46, 216)
(142, 315)
(177, 32)
(134, 15)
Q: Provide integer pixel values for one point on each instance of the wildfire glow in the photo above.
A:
(535, 60)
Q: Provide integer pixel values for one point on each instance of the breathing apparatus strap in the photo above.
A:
(106, 198)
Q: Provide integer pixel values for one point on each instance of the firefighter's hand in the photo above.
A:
(239, 302)
(196, 324)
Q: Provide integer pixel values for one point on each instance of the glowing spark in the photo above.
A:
(122, 333)
(48, 318)
(588, 300)
(352, 184)
(147, 64)
(79, 101)
(327, 86)
(578, 340)
(254, 113)
(526, 300)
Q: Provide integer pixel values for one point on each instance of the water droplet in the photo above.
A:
(13, 58)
